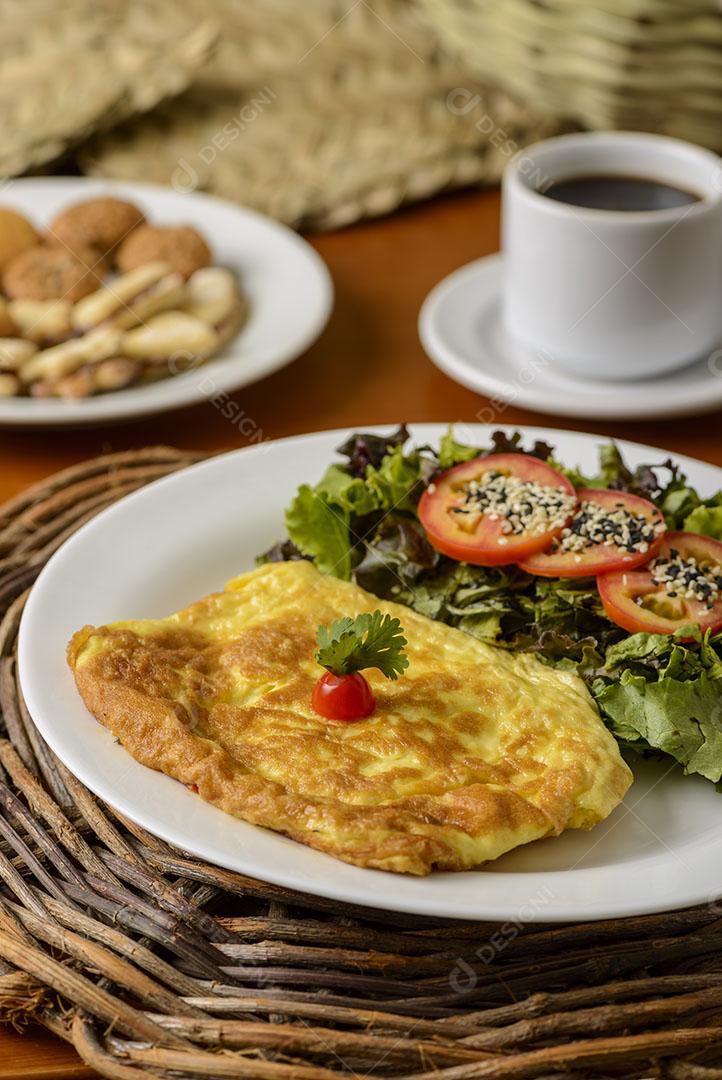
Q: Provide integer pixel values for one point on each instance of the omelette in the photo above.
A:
(474, 751)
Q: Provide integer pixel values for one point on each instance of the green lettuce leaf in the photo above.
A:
(452, 452)
(399, 480)
(349, 493)
(332, 521)
(682, 655)
(320, 530)
(710, 656)
(363, 449)
(677, 503)
(705, 519)
(613, 472)
(483, 625)
(637, 647)
(581, 656)
(682, 718)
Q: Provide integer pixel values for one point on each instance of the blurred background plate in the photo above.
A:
(287, 285)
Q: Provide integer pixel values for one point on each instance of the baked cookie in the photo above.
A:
(8, 326)
(181, 246)
(213, 295)
(130, 299)
(173, 336)
(70, 356)
(10, 384)
(44, 273)
(16, 235)
(46, 322)
(111, 374)
(14, 352)
(97, 223)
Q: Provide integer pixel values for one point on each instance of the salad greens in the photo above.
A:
(656, 693)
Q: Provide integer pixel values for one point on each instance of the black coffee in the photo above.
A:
(619, 193)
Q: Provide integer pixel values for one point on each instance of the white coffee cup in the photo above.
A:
(613, 294)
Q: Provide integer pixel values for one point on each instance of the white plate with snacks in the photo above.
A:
(183, 537)
(282, 287)
(461, 331)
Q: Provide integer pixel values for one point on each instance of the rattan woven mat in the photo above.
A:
(155, 964)
(320, 113)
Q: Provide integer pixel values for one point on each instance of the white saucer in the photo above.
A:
(460, 329)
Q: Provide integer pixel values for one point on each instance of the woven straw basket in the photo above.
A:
(653, 65)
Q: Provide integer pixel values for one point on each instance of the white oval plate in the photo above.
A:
(184, 536)
(461, 331)
(288, 286)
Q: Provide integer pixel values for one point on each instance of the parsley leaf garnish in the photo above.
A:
(368, 641)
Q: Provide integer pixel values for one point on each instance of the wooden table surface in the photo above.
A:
(367, 368)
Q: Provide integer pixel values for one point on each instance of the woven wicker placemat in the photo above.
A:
(154, 964)
(321, 113)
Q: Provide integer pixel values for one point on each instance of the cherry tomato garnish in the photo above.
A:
(449, 510)
(609, 515)
(637, 601)
(343, 697)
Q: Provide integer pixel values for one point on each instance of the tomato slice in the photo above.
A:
(638, 600)
(497, 509)
(604, 532)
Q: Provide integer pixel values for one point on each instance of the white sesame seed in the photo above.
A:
(593, 525)
(521, 505)
(687, 578)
